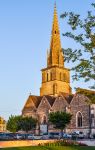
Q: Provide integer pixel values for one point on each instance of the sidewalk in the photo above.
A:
(88, 142)
(4, 144)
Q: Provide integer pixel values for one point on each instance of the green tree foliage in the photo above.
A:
(60, 119)
(13, 123)
(16, 123)
(83, 33)
(27, 123)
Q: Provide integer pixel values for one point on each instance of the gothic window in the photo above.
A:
(47, 76)
(55, 32)
(60, 75)
(79, 119)
(64, 77)
(54, 88)
(42, 77)
(44, 120)
(51, 76)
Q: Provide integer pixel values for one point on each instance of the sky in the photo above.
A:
(25, 31)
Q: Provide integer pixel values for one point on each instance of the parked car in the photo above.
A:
(6, 136)
(81, 135)
(30, 137)
(54, 135)
(37, 137)
(67, 135)
(78, 134)
(45, 136)
(20, 136)
(1, 136)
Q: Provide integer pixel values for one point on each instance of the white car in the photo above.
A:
(37, 137)
(20, 136)
(78, 134)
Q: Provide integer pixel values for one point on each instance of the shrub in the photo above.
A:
(64, 143)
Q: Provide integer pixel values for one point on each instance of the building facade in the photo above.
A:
(2, 125)
(56, 93)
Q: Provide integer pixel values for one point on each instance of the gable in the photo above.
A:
(29, 105)
(44, 105)
(50, 99)
(79, 100)
(60, 104)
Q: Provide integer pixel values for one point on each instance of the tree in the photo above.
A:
(83, 33)
(16, 123)
(13, 123)
(60, 119)
(27, 123)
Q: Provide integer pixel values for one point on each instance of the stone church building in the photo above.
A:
(56, 93)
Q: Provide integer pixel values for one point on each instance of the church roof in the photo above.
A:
(88, 93)
(50, 99)
(34, 101)
(67, 96)
(81, 90)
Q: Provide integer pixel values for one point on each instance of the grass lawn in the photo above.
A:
(51, 148)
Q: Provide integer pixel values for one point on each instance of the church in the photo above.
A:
(56, 93)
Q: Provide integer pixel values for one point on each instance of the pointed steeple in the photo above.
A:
(55, 77)
(55, 57)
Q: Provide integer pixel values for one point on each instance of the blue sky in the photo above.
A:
(25, 30)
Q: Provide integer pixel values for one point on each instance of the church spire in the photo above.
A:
(55, 78)
(56, 55)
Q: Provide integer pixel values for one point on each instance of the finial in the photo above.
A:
(30, 94)
(55, 4)
(55, 9)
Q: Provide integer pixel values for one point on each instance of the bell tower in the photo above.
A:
(55, 78)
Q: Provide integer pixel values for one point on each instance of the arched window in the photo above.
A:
(44, 120)
(55, 89)
(60, 76)
(79, 119)
(47, 76)
(42, 77)
(64, 77)
(51, 76)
